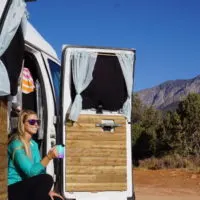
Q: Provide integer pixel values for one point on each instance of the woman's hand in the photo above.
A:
(52, 153)
(54, 194)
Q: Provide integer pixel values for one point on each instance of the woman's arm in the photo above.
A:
(24, 162)
(51, 155)
(30, 166)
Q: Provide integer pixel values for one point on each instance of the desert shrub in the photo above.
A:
(150, 163)
(170, 162)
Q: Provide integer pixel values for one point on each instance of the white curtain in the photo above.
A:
(82, 68)
(126, 62)
(11, 24)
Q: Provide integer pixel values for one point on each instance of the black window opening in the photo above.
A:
(107, 90)
(55, 73)
(36, 100)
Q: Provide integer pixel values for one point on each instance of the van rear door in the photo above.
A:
(95, 120)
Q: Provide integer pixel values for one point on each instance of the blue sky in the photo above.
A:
(165, 33)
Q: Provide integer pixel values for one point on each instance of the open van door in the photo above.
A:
(95, 119)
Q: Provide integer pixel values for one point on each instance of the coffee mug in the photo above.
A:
(60, 150)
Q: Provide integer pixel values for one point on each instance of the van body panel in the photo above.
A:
(49, 138)
(98, 158)
(34, 38)
(53, 67)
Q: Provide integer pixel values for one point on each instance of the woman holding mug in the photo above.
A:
(27, 179)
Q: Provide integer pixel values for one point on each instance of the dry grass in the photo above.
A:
(171, 162)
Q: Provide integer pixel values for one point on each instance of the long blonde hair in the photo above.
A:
(20, 131)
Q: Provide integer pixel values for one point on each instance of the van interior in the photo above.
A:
(107, 90)
(32, 100)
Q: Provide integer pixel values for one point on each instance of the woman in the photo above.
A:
(27, 179)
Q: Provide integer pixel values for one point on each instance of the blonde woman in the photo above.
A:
(27, 179)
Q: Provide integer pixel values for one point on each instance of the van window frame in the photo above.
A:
(45, 58)
(55, 69)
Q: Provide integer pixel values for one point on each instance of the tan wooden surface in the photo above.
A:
(95, 160)
(98, 136)
(3, 139)
(96, 144)
(96, 178)
(3, 187)
(93, 187)
(95, 118)
(3, 175)
(3, 162)
(3, 196)
(98, 170)
(91, 129)
(3, 150)
(3, 123)
(77, 152)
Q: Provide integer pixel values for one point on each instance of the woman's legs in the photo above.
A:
(42, 188)
(34, 188)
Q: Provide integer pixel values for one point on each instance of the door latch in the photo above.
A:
(108, 125)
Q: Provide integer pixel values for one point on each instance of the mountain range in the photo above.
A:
(167, 95)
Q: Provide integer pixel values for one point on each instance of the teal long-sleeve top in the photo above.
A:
(21, 166)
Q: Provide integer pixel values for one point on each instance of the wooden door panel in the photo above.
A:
(3, 150)
(96, 159)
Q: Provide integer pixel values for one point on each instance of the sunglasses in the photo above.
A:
(34, 121)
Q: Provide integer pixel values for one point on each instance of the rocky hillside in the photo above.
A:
(167, 95)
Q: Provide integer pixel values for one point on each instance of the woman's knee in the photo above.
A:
(47, 178)
(44, 179)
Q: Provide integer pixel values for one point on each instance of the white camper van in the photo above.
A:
(85, 105)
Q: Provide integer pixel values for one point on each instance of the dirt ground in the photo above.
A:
(166, 185)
